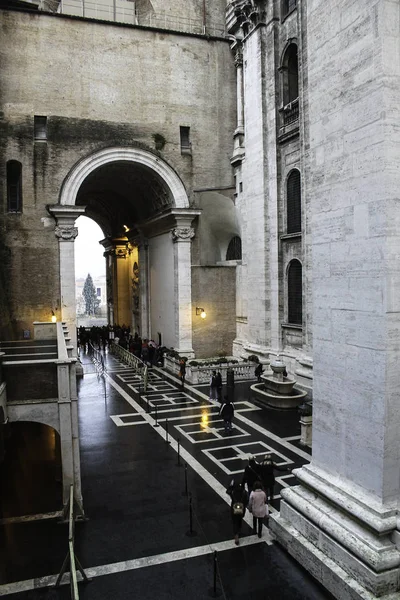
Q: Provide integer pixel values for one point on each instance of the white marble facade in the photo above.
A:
(341, 522)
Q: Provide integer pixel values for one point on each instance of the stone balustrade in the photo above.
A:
(201, 374)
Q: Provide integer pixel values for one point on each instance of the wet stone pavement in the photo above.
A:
(137, 541)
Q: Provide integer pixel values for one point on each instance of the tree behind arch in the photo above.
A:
(90, 296)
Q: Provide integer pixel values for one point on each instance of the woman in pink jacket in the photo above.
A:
(258, 506)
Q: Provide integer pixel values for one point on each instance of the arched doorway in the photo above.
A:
(31, 472)
(142, 206)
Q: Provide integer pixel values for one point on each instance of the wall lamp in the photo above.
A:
(201, 312)
(53, 317)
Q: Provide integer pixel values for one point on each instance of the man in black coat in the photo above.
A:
(227, 411)
(267, 476)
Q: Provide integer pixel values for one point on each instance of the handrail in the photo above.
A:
(98, 359)
(131, 360)
(71, 559)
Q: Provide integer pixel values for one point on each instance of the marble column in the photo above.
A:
(144, 286)
(238, 136)
(342, 521)
(182, 236)
(66, 233)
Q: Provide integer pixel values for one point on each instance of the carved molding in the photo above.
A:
(238, 55)
(66, 232)
(180, 234)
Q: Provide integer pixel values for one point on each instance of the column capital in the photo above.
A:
(66, 232)
(182, 234)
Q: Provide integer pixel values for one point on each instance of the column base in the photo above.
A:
(345, 542)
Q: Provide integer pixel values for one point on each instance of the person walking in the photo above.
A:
(182, 371)
(251, 474)
(227, 411)
(258, 371)
(258, 507)
(267, 476)
(219, 386)
(213, 386)
(239, 500)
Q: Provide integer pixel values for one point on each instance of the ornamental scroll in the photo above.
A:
(66, 232)
(184, 234)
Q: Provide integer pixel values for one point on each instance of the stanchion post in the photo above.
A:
(185, 492)
(156, 419)
(191, 533)
(166, 432)
(214, 591)
(178, 464)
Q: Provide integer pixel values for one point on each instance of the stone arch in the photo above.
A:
(87, 165)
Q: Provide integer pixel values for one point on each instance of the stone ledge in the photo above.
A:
(320, 566)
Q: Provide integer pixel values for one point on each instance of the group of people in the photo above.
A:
(254, 492)
(101, 337)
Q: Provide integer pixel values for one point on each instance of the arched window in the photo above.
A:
(234, 251)
(295, 293)
(288, 6)
(14, 186)
(293, 202)
(290, 71)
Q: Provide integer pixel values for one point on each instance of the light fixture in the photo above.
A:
(53, 318)
(200, 311)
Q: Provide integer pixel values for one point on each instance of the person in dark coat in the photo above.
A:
(182, 370)
(239, 502)
(219, 385)
(227, 411)
(267, 476)
(213, 386)
(258, 371)
(251, 474)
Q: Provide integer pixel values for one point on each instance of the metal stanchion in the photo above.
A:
(178, 464)
(156, 418)
(214, 591)
(191, 533)
(185, 492)
(166, 432)
(147, 405)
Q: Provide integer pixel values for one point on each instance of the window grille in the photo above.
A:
(40, 128)
(295, 293)
(185, 139)
(234, 251)
(293, 202)
(14, 186)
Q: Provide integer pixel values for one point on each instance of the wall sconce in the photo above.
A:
(201, 312)
(53, 318)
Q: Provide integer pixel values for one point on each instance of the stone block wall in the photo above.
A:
(213, 288)
(99, 85)
(31, 382)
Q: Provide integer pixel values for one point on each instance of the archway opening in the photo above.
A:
(90, 275)
(31, 473)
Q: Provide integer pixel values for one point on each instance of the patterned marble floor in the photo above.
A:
(147, 457)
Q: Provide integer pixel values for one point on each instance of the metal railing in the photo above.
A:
(124, 12)
(71, 559)
(290, 112)
(131, 360)
(98, 359)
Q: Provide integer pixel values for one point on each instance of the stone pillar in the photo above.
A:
(66, 232)
(238, 136)
(75, 437)
(182, 237)
(118, 281)
(144, 287)
(342, 521)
